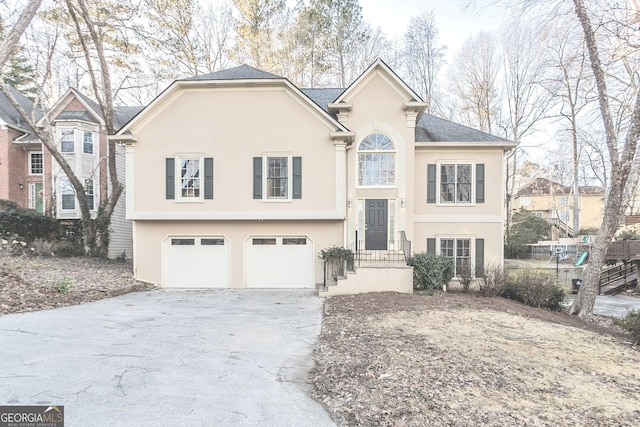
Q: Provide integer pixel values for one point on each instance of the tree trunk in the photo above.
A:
(621, 162)
(23, 22)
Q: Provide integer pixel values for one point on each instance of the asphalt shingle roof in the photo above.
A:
(10, 116)
(434, 129)
(242, 72)
(323, 97)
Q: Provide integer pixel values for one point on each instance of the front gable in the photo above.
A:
(241, 128)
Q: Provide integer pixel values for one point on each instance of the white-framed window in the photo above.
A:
(36, 163)
(67, 195)
(525, 201)
(564, 200)
(87, 142)
(189, 180)
(455, 183)
(89, 191)
(458, 249)
(376, 161)
(277, 181)
(67, 141)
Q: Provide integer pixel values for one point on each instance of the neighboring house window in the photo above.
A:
(538, 214)
(36, 165)
(525, 201)
(282, 180)
(453, 183)
(277, 178)
(89, 191)
(67, 141)
(459, 249)
(68, 196)
(376, 161)
(87, 143)
(564, 200)
(563, 215)
(190, 178)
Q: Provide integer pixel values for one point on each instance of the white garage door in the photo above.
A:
(196, 262)
(279, 262)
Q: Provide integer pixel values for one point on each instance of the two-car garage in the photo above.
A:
(269, 262)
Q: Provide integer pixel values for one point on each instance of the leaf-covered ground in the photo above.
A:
(29, 283)
(461, 360)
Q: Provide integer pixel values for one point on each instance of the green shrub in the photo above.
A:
(493, 280)
(431, 271)
(27, 225)
(65, 285)
(536, 288)
(631, 322)
(337, 258)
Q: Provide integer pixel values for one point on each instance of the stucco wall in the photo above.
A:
(149, 236)
(233, 126)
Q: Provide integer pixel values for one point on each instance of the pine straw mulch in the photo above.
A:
(463, 360)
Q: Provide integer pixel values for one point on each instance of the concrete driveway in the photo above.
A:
(168, 358)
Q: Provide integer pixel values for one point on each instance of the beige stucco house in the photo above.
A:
(553, 202)
(237, 179)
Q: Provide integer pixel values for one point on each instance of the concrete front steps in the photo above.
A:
(372, 277)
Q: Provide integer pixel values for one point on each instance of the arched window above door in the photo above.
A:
(376, 161)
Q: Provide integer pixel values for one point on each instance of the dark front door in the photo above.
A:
(375, 225)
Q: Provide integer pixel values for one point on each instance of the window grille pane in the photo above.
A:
(277, 177)
(260, 241)
(183, 242)
(190, 178)
(88, 190)
(446, 248)
(376, 169)
(294, 241)
(67, 141)
(212, 242)
(88, 143)
(36, 163)
(68, 199)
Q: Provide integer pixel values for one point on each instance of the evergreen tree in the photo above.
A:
(17, 71)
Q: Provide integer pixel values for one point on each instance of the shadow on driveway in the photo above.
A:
(169, 358)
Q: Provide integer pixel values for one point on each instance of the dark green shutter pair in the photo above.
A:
(297, 178)
(432, 179)
(170, 178)
(431, 248)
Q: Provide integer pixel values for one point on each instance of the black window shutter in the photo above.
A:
(480, 183)
(431, 183)
(257, 177)
(479, 257)
(431, 246)
(170, 181)
(208, 178)
(297, 177)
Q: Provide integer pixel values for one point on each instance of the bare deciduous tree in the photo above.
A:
(423, 56)
(612, 42)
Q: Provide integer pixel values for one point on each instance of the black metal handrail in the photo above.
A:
(614, 274)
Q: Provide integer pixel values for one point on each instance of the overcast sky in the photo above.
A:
(454, 23)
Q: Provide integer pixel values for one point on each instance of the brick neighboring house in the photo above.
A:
(553, 202)
(34, 180)
(21, 156)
